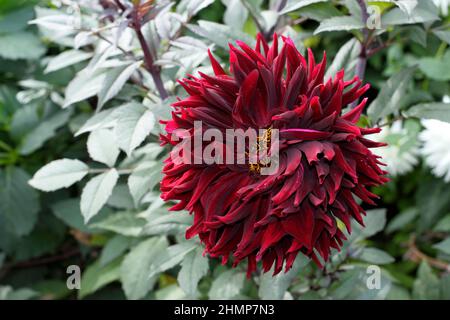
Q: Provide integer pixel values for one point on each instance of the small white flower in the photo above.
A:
(436, 147)
(446, 99)
(400, 156)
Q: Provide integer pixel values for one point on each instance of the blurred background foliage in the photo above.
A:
(78, 100)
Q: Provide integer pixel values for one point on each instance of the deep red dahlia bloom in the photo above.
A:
(325, 159)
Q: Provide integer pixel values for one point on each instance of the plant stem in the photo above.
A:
(360, 70)
(154, 71)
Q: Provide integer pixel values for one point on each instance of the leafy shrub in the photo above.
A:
(84, 85)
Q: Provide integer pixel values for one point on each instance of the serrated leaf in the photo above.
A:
(194, 267)
(402, 219)
(292, 5)
(170, 257)
(143, 178)
(124, 223)
(44, 131)
(344, 23)
(375, 256)
(114, 81)
(135, 278)
(435, 110)
(163, 222)
(20, 45)
(388, 100)
(8, 293)
(66, 59)
(443, 246)
(102, 147)
(114, 248)
(19, 203)
(96, 192)
(436, 68)
(426, 285)
(84, 86)
(69, 212)
(96, 276)
(227, 285)
(235, 14)
(347, 54)
(100, 120)
(274, 287)
(220, 34)
(374, 222)
(444, 35)
(134, 123)
(59, 174)
(424, 11)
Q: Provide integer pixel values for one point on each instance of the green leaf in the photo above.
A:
(121, 198)
(2, 259)
(432, 201)
(171, 257)
(445, 287)
(425, 11)
(443, 246)
(144, 178)
(8, 293)
(23, 121)
(375, 256)
(194, 267)
(59, 174)
(388, 100)
(52, 289)
(353, 285)
(102, 147)
(436, 68)
(134, 123)
(44, 131)
(344, 23)
(402, 219)
(435, 110)
(374, 222)
(227, 285)
(114, 81)
(16, 20)
(274, 287)
(85, 85)
(444, 35)
(100, 120)
(220, 34)
(96, 192)
(443, 225)
(19, 203)
(163, 222)
(426, 286)
(96, 277)
(67, 59)
(293, 5)
(135, 268)
(69, 212)
(235, 14)
(124, 223)
(20, 45)
(114, 248)
(345, 58)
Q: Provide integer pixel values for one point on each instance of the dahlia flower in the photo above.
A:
(436, 147)
(324, 158)
(399, 159)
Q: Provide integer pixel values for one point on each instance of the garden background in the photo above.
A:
(81, 102)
